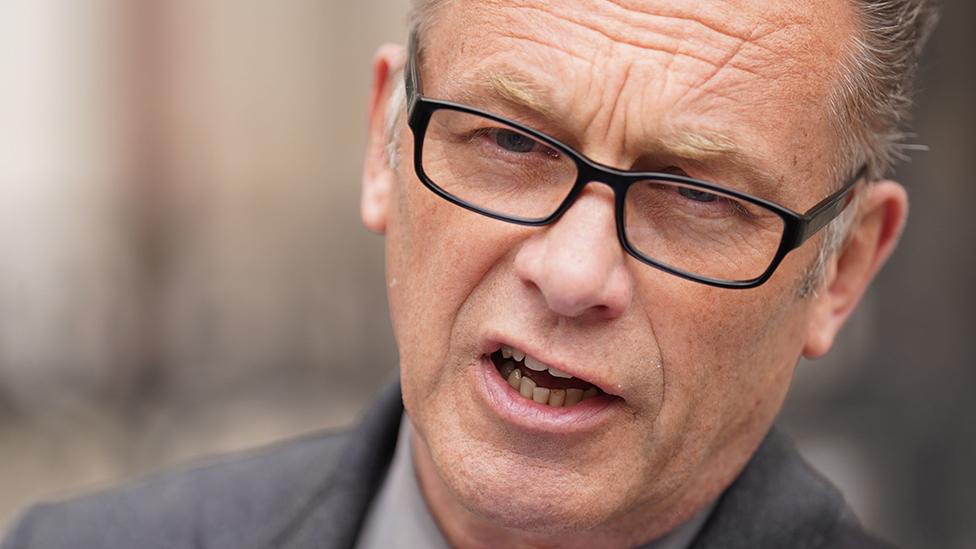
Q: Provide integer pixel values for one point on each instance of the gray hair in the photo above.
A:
(869, 107)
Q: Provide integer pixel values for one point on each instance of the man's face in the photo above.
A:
(694, 374)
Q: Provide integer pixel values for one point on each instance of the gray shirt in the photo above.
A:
(399, 516)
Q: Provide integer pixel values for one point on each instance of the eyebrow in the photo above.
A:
(516, 90)
(520, 91)
(705, 146)
(700, 144)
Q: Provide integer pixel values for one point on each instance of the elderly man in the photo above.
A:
(612, 229)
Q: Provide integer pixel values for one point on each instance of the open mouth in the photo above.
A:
(539, 382)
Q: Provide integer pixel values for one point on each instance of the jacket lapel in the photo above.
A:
(335, 514)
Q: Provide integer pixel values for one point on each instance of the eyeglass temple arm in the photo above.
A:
(828, 209)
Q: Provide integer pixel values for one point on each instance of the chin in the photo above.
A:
(524, 494)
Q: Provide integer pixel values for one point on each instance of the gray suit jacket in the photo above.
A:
(315, 491)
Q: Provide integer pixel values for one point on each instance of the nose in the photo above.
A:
(577, 263)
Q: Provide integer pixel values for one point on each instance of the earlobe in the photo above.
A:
(374, 203)
(875, 232)
(378, 174)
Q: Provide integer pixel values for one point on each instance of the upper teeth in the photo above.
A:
(559, 373)
(533, 364)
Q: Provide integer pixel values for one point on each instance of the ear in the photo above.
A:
(873, 236)
(378, 174)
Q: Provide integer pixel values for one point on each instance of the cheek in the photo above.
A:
(728, 355)
(437, 255)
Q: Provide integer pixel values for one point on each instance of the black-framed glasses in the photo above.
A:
(694, 229)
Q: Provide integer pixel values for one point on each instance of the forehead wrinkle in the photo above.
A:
(622, 7)
(522, 91)
(668, 32)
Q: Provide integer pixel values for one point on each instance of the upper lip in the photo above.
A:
(597, 378)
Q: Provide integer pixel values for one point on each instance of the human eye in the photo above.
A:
(680, 198)
(711, 204)
(513, 141)
(708, 204)
(698, 195)
(509, 141)
(693, 199)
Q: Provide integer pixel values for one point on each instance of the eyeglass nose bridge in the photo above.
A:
(587, 173)
(620, 182)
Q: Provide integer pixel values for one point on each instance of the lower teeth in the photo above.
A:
(555, 398)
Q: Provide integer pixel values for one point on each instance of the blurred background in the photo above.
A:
(183, 272)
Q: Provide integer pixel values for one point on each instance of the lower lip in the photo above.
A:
(513, 408)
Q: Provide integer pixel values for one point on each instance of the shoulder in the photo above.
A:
(779, 500)
(849, 534)
(308, 492)
(217, 504)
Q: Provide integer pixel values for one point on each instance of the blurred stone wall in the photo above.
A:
(182, 270)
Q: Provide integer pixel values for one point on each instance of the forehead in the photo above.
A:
(625, 74)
